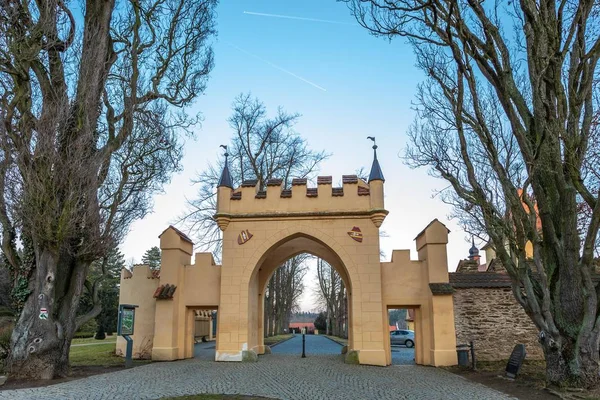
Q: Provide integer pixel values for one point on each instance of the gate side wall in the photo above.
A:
(406, 285)
(137, 287)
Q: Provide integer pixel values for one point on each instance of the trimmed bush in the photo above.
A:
(100, 335)
(83, 335)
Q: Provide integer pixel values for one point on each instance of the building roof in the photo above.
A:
(460, 280)
(177, 231)
(428, 225)
(488, 245)
(468, 266)
(302, 325)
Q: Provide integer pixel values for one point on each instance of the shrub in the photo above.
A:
(90, 326)
(5, 334)
(83, 335)
(100, 335)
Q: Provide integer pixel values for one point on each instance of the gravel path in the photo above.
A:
(280, 375)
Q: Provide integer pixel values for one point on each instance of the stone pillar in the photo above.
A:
(172, 323)
(438, 320)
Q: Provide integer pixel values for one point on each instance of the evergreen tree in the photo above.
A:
(321, 322)
(106, 273)
(152, 258)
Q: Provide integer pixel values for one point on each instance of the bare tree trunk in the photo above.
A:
(41, 345)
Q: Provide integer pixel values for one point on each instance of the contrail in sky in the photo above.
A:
(298, 18)
(278, 67)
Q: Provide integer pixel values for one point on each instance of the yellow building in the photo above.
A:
(262, 229)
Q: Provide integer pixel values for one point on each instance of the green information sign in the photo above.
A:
(125, 329)
(126, 319)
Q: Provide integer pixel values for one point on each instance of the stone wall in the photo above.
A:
(493, 319)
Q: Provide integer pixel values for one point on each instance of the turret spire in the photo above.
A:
(473, 251)
(376, 173)
(225, 180)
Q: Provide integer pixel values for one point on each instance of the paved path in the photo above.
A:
(315, 344)
(401, 355)
(281, 376)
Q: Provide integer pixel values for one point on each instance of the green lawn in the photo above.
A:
(271, 340)
(98, 355)
(111, 339)
(102, 354)
(339, 340)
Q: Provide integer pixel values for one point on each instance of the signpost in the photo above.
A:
(515, 361)
(125, 327)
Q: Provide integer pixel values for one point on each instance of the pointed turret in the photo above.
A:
(225, 180)
(376, 181)
(376, 173)
(224, 189)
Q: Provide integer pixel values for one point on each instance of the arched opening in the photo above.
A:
(270, 261)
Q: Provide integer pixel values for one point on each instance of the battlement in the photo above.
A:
(353, 197)
(351, 185)
(140, 271)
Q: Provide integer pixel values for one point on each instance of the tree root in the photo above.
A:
(567, 396)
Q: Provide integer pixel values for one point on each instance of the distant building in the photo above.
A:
(297, 327)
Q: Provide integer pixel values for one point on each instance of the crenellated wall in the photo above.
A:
(422, 285)
(355, 196)
(137, 287)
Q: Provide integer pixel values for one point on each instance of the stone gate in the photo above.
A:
(264, 228)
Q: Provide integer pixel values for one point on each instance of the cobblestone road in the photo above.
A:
(281, 376)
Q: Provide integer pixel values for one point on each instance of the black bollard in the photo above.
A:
(303, 346)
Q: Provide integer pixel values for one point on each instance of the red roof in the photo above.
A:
(308, 325)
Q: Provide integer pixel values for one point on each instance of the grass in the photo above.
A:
(215, 397)
(272, 340)
(100, 355)
(342, 341)
(109, 339)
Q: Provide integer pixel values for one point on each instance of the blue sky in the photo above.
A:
(369, 85)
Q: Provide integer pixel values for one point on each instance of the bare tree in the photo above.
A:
(505, 117)
(262, 148)
(283, 293)
(331, 295)
(91, 110)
